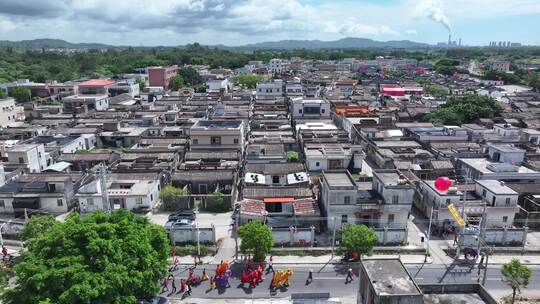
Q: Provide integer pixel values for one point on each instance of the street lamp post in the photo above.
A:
(197, 226)
(428, 235)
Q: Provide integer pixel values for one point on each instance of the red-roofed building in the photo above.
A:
(95, 86)
(354, 111)
(160, 76)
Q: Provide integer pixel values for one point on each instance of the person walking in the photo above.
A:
(165, 284)
(173, 284)
(188, 292)
(309, 277)
(350, 276)
(270, 267)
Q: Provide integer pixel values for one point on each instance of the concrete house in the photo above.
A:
(217, 135)
(310, 108)
(30, 156)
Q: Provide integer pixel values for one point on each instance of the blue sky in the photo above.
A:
(237, 22)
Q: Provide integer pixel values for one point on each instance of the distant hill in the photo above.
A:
(345, 43)
(37, 44)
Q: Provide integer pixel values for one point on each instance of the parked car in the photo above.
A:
(156, 300)
(142, 210)
(182, 223)
(187, 214)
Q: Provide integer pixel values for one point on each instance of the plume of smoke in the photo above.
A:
(433, 10)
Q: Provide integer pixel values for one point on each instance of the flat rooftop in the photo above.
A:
(217, 124)
(338, 179)
(458, 298)
(496, 187)
(389, 277)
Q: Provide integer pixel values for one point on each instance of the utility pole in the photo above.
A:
(334, 236)
(235, 230)
(103, 188)
(485, 267)
(428, 235)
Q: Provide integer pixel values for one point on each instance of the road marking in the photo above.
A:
(315, 279)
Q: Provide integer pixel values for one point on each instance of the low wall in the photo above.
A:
(293, 236)
(458, 289)
(391, 236)
(189, 235)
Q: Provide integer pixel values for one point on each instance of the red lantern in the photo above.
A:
(443, 183)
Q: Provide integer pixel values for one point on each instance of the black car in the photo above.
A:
(180, 215)
(156, 300)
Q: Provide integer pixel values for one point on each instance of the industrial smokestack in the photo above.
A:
(434, 11)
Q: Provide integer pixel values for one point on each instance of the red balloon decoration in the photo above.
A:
(442, 183)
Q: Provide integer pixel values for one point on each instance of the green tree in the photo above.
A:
(21, 94)
(436, 90)
(2, 94)
(116, 257)
(191, 77)
(516, 275)
(142, 84)
(465, 109)
(176, 83)
(36, 226)
(171, 196)
(357, 239)
(292, 156)
(256, 239)
(249, 80)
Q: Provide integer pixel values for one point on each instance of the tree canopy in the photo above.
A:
(249, 80)
(516, 275)
(256, 239)
(38, 225)
(176, 83)
(171, 196)
(20, 94)
(465, 109)
(116, 257)
(357, 239)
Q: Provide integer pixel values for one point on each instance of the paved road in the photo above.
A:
(462, 274)
(330, 278)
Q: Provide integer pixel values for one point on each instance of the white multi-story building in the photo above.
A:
(123, 192)
(310, 108)
(277, 66)
(10, 114)
(386, 202)
(273, 88)
(31, 156)
(500, 203)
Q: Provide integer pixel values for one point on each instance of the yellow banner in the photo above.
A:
(456, 215)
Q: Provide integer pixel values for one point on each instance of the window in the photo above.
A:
(505, 219)
(484, 192)
(215, 140)
(2, 203)
(322, 111)
(52, 187)
(21, 160)
(448, 201)
(59, 202)
(507, 201)
(235, 140)
(395, 199)
(317, 164)
(344, 219)
(299, 111)
(195, 141)
(151, 197)
(139, 200)
(90, 201)
(347, 200)
(390, 218)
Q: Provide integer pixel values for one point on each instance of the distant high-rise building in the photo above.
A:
(459, 42)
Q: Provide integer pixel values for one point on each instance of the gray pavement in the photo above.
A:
(327, 278)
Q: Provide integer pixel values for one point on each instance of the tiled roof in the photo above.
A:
(305, 207)
(96, 83)
(252, 207)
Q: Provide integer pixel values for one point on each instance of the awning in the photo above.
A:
(287, 199)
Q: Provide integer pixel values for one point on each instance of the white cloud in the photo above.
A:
(411, 32)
